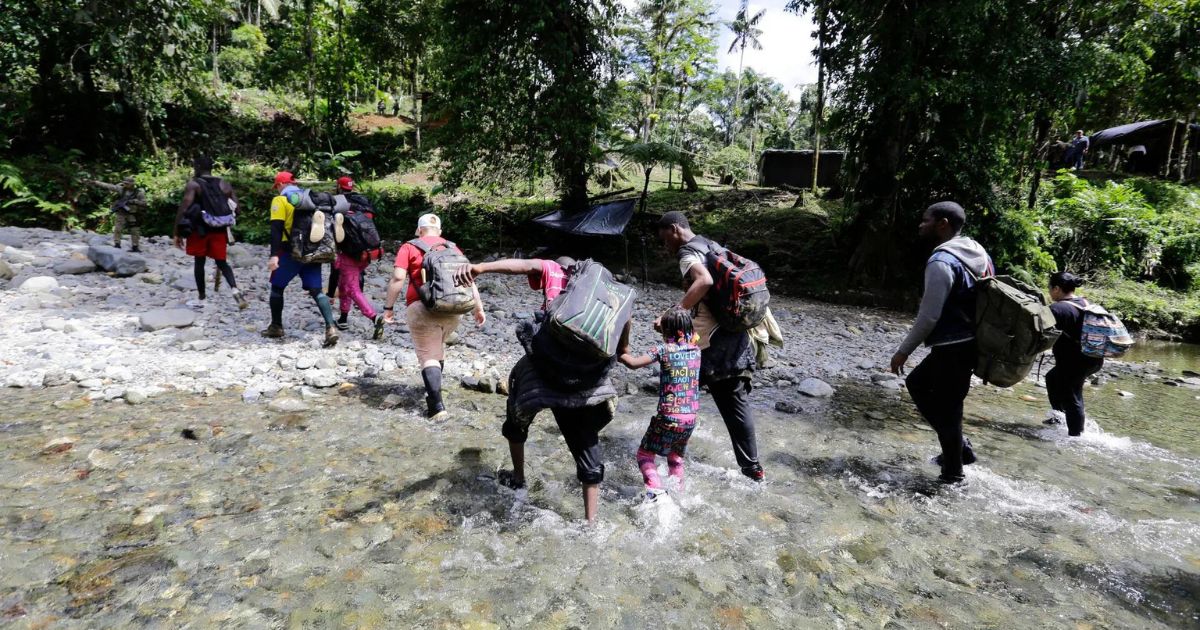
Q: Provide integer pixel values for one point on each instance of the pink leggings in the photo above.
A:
(645, 460)
(349, 270)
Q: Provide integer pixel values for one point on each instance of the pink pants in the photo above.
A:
(645, 460)
(349, 270)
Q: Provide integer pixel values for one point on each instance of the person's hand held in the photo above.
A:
(480, 317)
(898, 361)
(389, 316)
(273, 263)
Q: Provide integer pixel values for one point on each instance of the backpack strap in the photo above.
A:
(421, 245)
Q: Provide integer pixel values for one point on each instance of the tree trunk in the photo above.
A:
(1041, 133)
(1183, 152)
(688, 176)
(1166, 172)
(737, 100)
(216, 77)
(819, 112)
(645, 189)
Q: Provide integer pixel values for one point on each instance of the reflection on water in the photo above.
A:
(352, 516)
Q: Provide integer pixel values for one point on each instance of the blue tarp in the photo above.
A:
(606, 219)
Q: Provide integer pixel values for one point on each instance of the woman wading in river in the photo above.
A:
(1064, 382)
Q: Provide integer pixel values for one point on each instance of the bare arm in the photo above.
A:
(399, 275)
(507, 266)
(104, 185)
(480, 316)
(700, 282)
(633, 363)
(189, 197)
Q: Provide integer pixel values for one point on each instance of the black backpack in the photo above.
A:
(578, 342)
(304, 218)
(359, 203)
(361, 234)
(439, 293)
(216, 211)
(738, 297)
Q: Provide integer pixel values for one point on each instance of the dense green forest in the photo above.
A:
(494, 110)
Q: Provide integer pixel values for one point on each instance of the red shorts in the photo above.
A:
(212, 245)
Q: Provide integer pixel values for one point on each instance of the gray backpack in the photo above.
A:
(439, 293)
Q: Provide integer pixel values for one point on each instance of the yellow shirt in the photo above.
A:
(282, 210)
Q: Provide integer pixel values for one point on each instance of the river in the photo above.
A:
(195, 512)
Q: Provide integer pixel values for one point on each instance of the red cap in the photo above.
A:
(345, 183)
(282, 178)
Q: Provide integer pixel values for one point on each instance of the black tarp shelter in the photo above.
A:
(1145, 147)
(794, 168)
(605, 219)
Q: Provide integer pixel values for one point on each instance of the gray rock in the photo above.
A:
(188, 335)
(33, 379)
(815, 387)
(199, 346)
(787, 407)
(12, 237)
(320, 378)
(184, 283)
(118, 261)
(38, 284)
(6, 272)
(304, 363)
(72, 267)
(150, 278)
(251, 396)
(167, 318)
(12, 254)
(54, 378)
(288, 405)
(135, 397)
(326, 363)
(118, 373)
(239, 256)
(391, 401)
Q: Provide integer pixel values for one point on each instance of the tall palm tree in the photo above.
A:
(745, 33)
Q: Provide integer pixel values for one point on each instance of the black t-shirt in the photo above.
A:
(1069, 320)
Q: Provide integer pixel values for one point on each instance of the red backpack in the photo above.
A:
(739, 297)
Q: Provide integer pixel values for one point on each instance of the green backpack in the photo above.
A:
(1013, 327)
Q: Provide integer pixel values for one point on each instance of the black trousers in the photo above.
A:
(581, 429)
(938, 386)
(1064, 385)
(732, 397)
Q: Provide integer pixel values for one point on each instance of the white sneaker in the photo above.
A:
(318, 227)
(339, 233)
(195, 303)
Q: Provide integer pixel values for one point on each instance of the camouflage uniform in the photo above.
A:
(126, 211)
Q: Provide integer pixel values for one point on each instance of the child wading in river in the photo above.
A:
(678, 358)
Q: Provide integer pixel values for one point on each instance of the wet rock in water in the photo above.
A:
(289, 422)
(483, 383)
(166, 318)
(117, 261)
(146, 515)
(1124, 394)
(391, 401)
(103, 459)
(786, 406)
(288, 405)
(815, 388)
(320, 378)
(72, 267)
(1191, 374)
(135, 397)
(58, 445)
(6, 272)
(876, 415)
(38, 284)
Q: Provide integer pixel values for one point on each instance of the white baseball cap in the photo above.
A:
(429, 221)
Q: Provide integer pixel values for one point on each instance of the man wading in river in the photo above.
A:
(727, 358)
(946, 323)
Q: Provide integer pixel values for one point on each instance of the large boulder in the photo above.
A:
(72, 267)
(815, 388)
(120, 262)
(167, 318)
(39, 284)
(6, 272)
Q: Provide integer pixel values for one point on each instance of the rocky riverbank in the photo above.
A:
(116, 325)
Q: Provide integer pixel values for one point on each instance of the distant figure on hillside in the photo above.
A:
(126, 210)
(207, 211)
(396, 107)
(946, 323)
(379, 107)
(1078, 150)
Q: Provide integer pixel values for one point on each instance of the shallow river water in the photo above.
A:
(203, 512)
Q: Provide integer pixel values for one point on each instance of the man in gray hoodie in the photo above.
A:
(946, 323)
